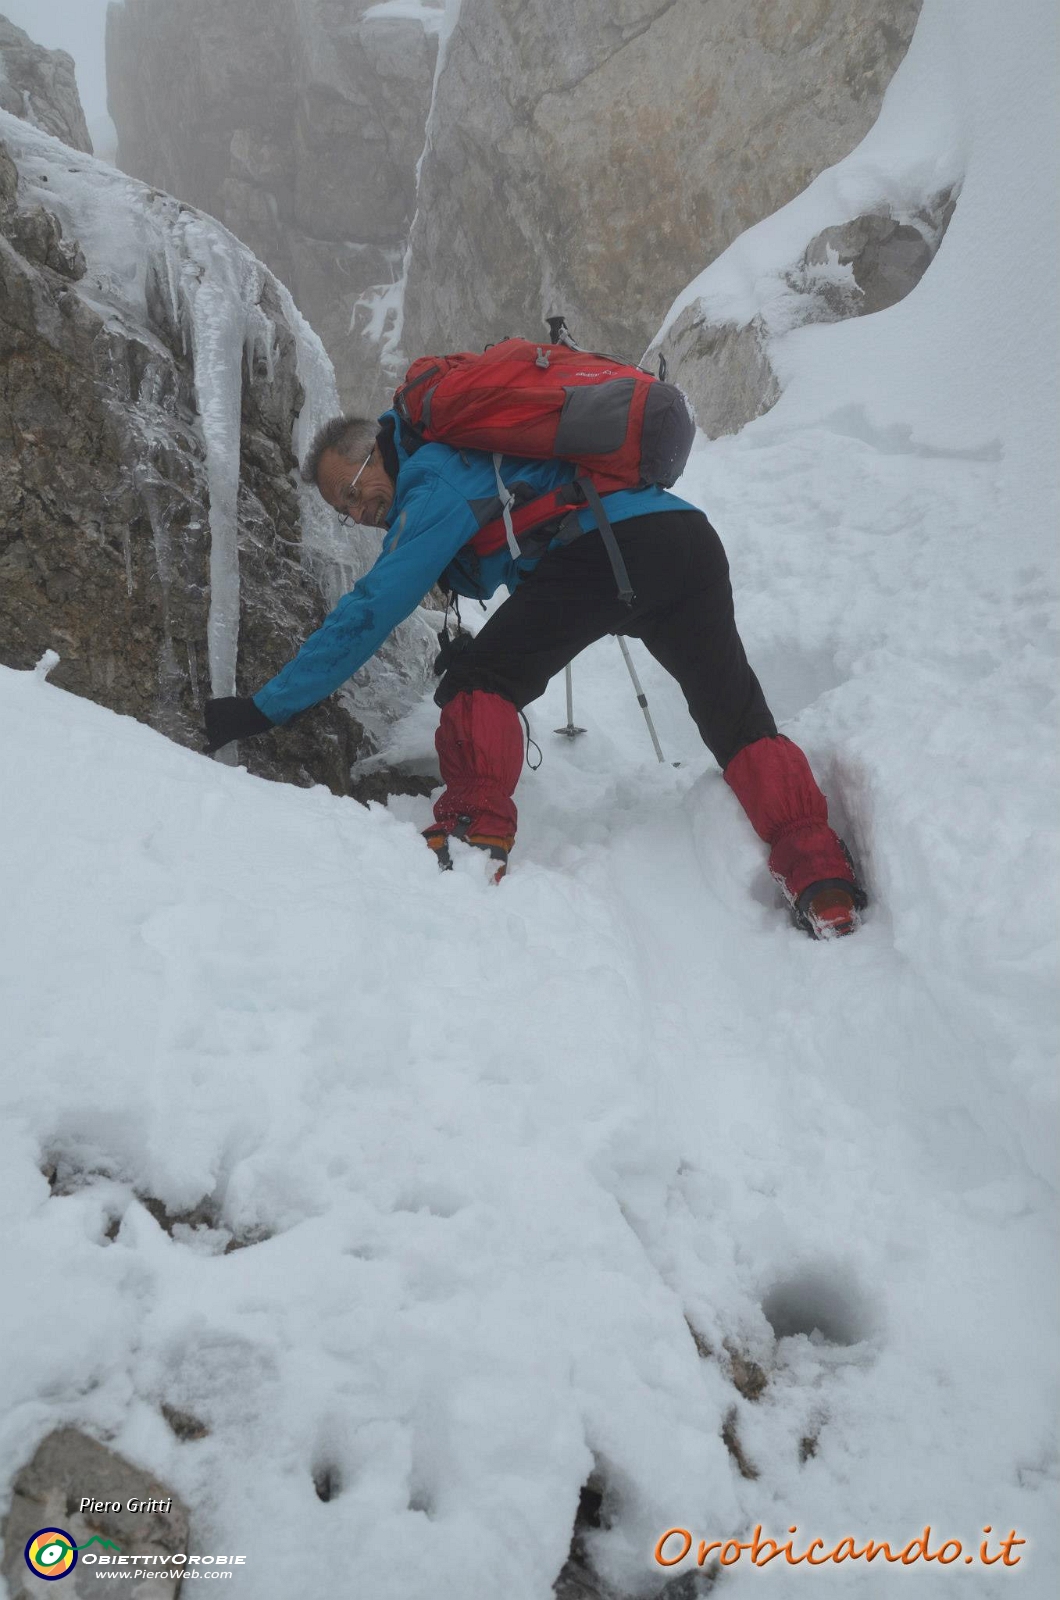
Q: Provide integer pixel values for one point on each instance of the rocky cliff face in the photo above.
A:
(589, 158)
(593, 158)
(298, 123)
(41, 86)
(155, 381)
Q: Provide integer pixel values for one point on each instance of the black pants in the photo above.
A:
(682, 611)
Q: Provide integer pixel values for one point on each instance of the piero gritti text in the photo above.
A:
(92, 1507)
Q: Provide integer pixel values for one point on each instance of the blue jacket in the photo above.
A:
(430, 522)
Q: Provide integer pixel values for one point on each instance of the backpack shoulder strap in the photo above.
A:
(607, 534)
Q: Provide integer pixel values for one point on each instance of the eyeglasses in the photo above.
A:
(350, 500)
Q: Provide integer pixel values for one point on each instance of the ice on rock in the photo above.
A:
(221, 284)
(47, 663)
(140, 243)
(386, 304)
(432, 18)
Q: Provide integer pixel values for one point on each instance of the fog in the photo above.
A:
(76, 26)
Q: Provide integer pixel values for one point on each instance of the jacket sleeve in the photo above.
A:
(431, 526)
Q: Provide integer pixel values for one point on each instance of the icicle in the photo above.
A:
(220, 280)
(334, 564)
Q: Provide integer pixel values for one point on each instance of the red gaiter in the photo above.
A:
(772, 780)
(480, 750)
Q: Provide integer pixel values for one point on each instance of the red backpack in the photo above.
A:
(621, 426)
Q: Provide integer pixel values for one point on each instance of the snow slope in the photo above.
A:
(493, 1152)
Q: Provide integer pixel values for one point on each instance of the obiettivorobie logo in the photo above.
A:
(52, 1554)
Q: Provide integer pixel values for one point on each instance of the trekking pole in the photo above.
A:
(570, 731)
(642, 698)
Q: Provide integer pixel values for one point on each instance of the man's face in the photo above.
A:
(366, 500)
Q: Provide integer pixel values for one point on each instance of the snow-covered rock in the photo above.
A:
(40, 86)
(67, 1468)
(849, 269)
(156, 386)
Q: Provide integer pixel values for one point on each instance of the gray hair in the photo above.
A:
(351, 437)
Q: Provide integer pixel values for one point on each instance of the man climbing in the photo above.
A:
(430, 499)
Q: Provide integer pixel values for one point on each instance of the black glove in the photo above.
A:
(233, 718)
(450, 648)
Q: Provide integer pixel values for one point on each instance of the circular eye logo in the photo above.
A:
(51, 1554)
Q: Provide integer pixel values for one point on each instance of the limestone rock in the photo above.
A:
(593, 158)
(887, 256)
(852, 269)
(724, 369)
(590, 159)
(105, 481)
(38, 236)
(41, 86)
(66, 1467)
(574, 1583)
(298, 123)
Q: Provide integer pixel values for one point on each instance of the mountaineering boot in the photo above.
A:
(498, 849)
(480, 753)
(826, 911)
(772, 780)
